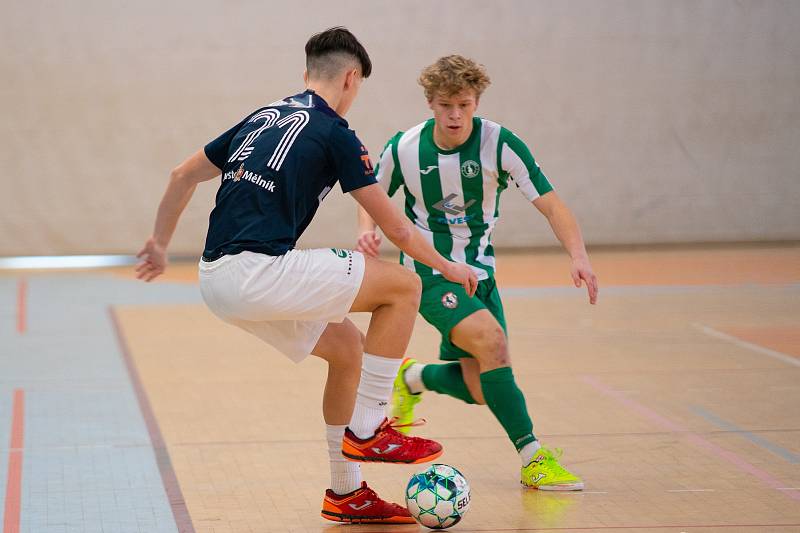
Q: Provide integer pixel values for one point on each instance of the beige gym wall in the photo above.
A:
(657, 121)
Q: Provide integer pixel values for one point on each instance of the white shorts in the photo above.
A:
(286, 300)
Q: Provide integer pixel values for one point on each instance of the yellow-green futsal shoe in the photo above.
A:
(403, 400)
(545, 473)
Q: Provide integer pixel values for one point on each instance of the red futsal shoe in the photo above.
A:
(363, 506)
(388, 445)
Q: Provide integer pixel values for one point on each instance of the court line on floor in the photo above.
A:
(469, 438)
(22, 292)
(711, 332)
(79, 447)
(13, 498)
(755, 439)
(598, 528)
(693, 438)
(168, 477)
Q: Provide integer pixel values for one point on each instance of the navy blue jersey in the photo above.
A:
(277, 165)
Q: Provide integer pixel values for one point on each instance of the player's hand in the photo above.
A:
(368, 243)
(581, 271)
(463, 275)
(153, 260)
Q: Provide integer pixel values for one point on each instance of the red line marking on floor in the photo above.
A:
(22, 292)
(14, 482)
(168, 477)
(695, 439)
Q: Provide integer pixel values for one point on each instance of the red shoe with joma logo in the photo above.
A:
(388, 445)
(363, 506)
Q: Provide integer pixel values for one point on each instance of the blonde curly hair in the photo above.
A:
(452, 74)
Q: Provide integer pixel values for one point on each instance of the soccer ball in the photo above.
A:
(438, 497)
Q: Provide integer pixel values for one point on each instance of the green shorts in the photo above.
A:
(444, 304)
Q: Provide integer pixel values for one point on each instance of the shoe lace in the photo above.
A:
(371, 494)
(413, 444)
(414, 423)
(550, 461)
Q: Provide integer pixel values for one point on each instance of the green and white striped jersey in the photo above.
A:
(453, 196)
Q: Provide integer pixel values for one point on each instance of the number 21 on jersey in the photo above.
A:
(294, 124)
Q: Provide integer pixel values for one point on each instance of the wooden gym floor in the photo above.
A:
(676, 398)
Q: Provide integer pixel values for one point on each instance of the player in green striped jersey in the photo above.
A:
(452, 169)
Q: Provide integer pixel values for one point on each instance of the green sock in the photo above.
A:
(446, 379)
(507, 403)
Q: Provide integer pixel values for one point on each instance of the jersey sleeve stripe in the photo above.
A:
(397, 175)
(517, 160)
(385, 167)
(519, 172)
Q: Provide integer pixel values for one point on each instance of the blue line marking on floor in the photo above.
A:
(752, 437)
(88, 464)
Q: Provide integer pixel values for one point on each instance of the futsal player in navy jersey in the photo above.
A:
(277, 165)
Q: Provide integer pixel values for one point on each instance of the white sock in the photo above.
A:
(345, 475)
(528, 451)
(413, 378)
(377, 376)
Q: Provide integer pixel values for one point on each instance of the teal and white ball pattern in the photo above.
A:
(438, 497)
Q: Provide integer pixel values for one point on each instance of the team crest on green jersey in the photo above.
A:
(470, 169)
(450, 300)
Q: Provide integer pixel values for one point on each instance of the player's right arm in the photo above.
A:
(182, 182)
(369, 240)
(356, 177)
(404, 235)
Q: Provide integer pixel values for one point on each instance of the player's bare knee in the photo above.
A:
(348, 358)
(355, 340)
(411, 288)
(492, 350)
(345, 346)
(502, 356)
(416, 289)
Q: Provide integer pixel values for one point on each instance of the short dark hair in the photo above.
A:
(323, 48)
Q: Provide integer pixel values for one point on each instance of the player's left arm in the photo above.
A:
(567, 231)
(517, 160)
(389, 178)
